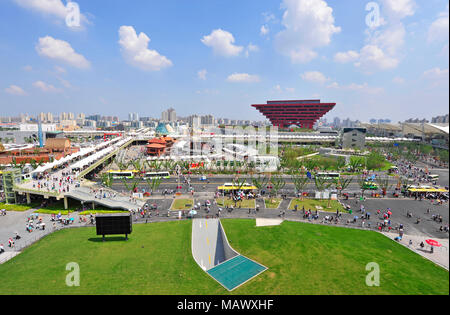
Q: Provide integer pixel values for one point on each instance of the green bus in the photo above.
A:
(370, 185)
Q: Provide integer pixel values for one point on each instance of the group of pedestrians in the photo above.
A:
(61, 183)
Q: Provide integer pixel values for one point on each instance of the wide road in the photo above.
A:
(218, 180)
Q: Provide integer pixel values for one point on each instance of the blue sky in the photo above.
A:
(219, 57)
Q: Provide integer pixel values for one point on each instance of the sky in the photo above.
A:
(375, 59)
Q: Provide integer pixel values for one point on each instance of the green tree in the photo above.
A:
(342, 183)
(375, 161)
(107, 179)
(278, 183)
(362, 184)
(260, 181)
(300, 182)
(383, 183)
(322, 183)
(153, 183)
(356, 163)
(340, 163)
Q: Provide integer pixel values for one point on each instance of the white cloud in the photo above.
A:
(15, 90)
(28, 68)
(243, 77)
(264, 30)
(344, 57)
(251, 48)
(436, 73)
(44, 87)
(384, 45)
(309, 24)
(314, 76)
(222, 43)
(136, 52)
(55, 8)
(391, 39)
(278, 89)
(398, 80)
(365, 88)
(61, 51)
(269, 17)
(59, 69)
(438, 30)
(52, 7)
(373, 59)
(208, 92)
(399, 9)
(202, 74)
(437, 77)
(65, 83)
(381, 52)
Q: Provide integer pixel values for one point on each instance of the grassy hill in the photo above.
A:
(157, 259)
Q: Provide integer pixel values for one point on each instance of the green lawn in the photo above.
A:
(19, 207)
(246, 203)
(182, 204)
(102, 212)
(302, 259)
(272, 203)
(310, 204)
(73, 205)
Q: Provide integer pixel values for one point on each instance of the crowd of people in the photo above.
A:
(61, 183)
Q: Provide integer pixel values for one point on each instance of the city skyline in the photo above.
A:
(145, 63)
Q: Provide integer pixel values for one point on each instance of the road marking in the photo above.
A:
(207, 240)
(209, 256)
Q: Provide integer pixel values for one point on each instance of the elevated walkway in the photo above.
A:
(84, 195)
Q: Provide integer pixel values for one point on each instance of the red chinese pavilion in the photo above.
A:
(303, 113)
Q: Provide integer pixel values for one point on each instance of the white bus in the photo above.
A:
(328, 175)
(157, 175)
(122, 174)
(433, 177)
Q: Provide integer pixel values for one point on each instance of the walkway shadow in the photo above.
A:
(108, 239)
(424, 250)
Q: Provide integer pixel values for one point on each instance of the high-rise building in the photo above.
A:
(195, 121)
(94, 117)
(133, 117)
(303, 113)
(440, 119)
(42, 117)
(337, 122)
(208, 120)
(169, 115)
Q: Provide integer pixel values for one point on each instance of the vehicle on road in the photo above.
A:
(433, 177)
(370, 185)
(157, 175)
(123, 174)
(230, 187)
(327, 175)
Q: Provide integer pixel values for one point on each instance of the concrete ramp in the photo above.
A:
(213, 253)
(209, 244)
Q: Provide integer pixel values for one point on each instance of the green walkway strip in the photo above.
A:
(235, 272)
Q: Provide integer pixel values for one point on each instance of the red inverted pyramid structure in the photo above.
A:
(303, 113)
